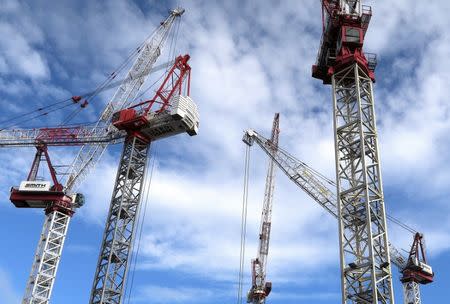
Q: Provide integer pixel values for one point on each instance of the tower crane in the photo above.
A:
(260, 287)
(166, 114)
(176, 114)
(414, 269)
(363, 237)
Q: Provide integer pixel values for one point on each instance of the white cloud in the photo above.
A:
(247, 64)
(8, 294)
(18, 56)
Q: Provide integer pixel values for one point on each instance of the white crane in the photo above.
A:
(414, 269)
(260, 286)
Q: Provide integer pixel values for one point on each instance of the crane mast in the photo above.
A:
(177, 114)
(93, 141)
(364, 246)
(414, 269)
(260, 287)
(59, 209)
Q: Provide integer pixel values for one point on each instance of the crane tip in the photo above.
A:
(177, 11)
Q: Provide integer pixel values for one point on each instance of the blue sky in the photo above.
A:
(249, 60)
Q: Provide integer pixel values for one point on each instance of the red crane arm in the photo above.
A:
(173, 83)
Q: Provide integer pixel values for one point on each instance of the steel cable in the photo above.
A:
(333, 183)
(140, 225)
(243, 225)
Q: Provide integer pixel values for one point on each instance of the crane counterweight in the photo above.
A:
(417, 269)
(177, 113)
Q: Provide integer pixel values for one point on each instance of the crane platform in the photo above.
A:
(35, 199)
(422, 274)
(40, 195)
(182, 116)
(34, 194)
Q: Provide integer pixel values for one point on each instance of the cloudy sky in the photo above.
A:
(250, 59)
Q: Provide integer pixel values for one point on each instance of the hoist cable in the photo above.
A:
(104, 85)
(401, 224)
(317, 174)
(34, 111)
(141, 222)
(163, 75)
(37, 116)
(243, 224)
(147, 89)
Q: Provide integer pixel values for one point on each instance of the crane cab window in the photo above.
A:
(352, 35)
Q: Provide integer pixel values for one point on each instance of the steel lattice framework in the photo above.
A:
(71, 136)
(260, 287)
(113, 261)
(411, 293)
(112, 267)
(320, 188)
(364, 255)
(149, 52)
(366, 271)
(46, 259)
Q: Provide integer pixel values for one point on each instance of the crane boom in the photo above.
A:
(310, 181)
(260, 287)
(59, 136)
(149, 52)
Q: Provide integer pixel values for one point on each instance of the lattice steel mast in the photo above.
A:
(47, 256)
(260, 287)
(414, 269)
(176, 114)
(59, 208)
(364, 255)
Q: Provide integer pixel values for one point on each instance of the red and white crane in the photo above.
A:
(416, 271)
(366, 275)
(261, 288)
(321, 189)
(168, 113)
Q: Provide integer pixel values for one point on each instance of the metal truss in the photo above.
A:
(149, 52)
(260, 287)
(316, 185)
(411, 293)
(62, 136)
(112, 267)
(47, 257)
(94, 140)
(365, 262)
